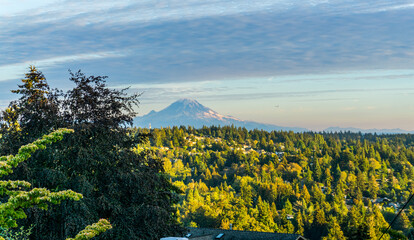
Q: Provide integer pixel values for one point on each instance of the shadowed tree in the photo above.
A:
(18, 198)
(100, 160)
(36, 110)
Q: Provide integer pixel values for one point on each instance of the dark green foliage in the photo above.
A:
(36, 110)
(15, 199)
(92, 102)
(119, 181)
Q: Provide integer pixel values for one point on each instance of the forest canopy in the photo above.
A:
(320, 185)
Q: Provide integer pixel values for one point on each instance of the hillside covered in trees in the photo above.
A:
(320, 185)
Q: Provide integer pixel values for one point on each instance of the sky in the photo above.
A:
(313, 64)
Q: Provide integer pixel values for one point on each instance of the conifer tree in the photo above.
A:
(36, 109)
(402, 223)
(317, 171)
(305, 193)
(318, 227)
(288, 207)
(334, 231)
(299, 223)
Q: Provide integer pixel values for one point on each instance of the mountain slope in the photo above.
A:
(188, 112)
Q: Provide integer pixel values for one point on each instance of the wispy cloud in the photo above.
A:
(235, 90)
(11, 7)
(89, 12)
(13, 71)
(390, 7)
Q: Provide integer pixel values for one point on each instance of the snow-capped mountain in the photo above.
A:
(189, 112)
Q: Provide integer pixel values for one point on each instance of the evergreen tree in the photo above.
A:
(299, 223)
(402, 222)
(305, 193)
(317, 171)
(318, 228)
(288, 207)
(36, 109)
(334, 231)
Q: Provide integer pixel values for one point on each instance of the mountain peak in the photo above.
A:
(186, 105)
(187, 101)
(190, 112)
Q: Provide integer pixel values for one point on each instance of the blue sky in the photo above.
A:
(312, 64)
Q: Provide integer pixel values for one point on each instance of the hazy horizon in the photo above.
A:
(162, 107)
(315, 65)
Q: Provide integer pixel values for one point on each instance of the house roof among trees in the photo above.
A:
(211, 233)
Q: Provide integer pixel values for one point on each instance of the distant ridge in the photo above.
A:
(373, 130)
(189, 112)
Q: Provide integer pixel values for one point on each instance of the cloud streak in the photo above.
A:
(12, 71)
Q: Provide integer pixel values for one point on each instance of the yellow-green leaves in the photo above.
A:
(12, 210)
(92, 230)
(9, 162)
(19, 199)
(10, 119)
